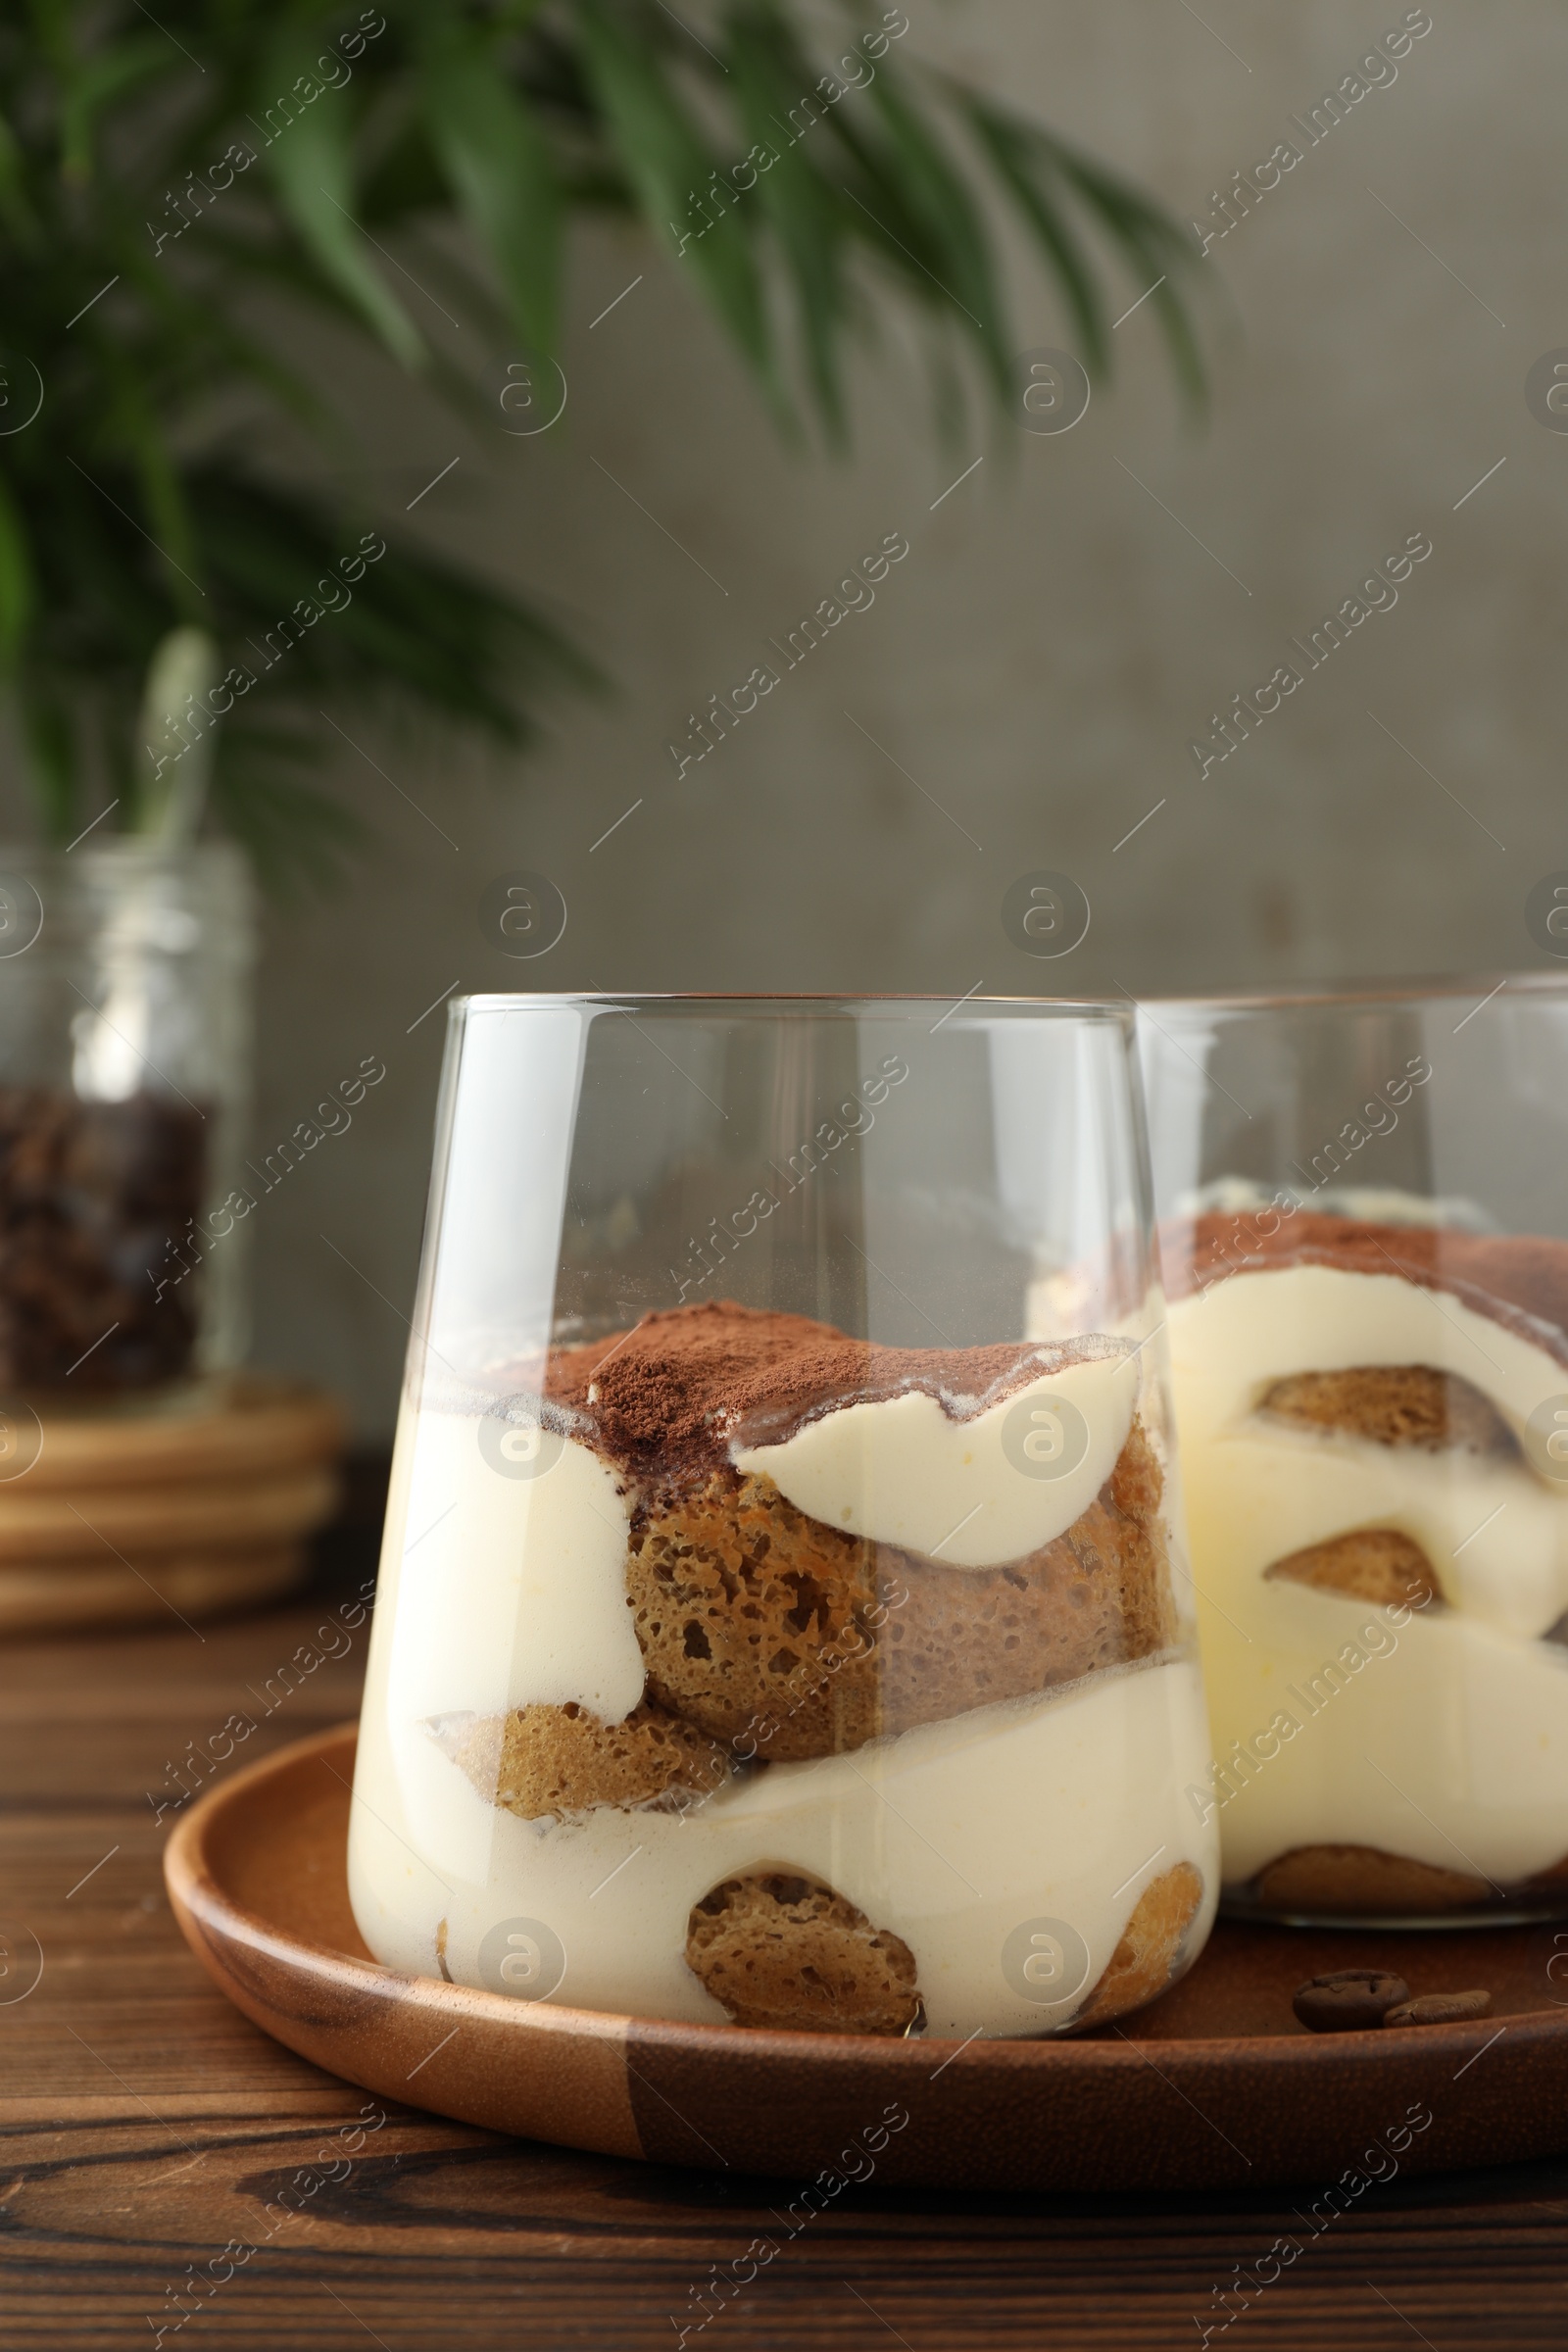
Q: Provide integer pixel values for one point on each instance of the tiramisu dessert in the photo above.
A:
(728, 1668)
(1374, 1432)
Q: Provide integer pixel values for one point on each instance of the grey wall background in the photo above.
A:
(1065, 621)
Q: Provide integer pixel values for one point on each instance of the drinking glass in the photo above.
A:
(1364, 1230)
(782, 1615)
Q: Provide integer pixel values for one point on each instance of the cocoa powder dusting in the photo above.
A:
(665, 1399)
(1518, 1280)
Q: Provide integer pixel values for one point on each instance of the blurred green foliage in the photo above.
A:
(179, 190)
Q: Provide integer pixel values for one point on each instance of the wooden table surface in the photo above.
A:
(145, 2124)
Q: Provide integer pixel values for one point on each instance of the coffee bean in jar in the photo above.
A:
(94, 1200)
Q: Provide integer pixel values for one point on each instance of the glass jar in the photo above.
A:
(782, 1615)
(1364, 1230)
(124, 1067)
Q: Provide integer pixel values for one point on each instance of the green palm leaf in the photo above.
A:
(500, 168)
(800, 209)
(672, 168)
(154, 282)
(311, 159)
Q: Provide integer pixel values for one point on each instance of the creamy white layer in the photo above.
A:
(1449, 1741)
(1434, 1737)
(953, 1836)
(514, 1587)
(1059, 1808)
(972, 1492)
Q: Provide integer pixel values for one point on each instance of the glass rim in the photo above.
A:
(749, 1001)
(1369, 993)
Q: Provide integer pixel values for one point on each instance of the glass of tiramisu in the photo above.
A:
(783, 1619)
(1364, 1235)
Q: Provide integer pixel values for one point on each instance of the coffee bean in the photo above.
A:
(1350, 2000)
(1440, 2009)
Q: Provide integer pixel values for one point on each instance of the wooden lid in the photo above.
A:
(234, 1426)
(94, 1521)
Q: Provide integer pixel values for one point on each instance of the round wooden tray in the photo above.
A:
(1215, 2085)
(236, 1425)
(192, 1500)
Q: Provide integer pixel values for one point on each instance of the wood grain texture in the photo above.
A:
(145, 2125)
(123, 1514)
(250, 1900)
(238, 1425)
(267, 1507)
(257, 1876)
(101, 1592)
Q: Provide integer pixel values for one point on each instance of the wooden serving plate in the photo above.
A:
(1214, 2086)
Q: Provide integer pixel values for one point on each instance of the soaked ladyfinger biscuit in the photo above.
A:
(1360, 1882)
(1395, 1405)
(543, 1762)
(777, 1948)
(788, 1638)
(1149, 1950)
(1377, 1564)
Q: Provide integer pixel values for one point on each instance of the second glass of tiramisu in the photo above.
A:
(783, 1619)
(1365, 1241)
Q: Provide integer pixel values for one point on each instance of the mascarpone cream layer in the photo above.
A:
(968, 1491)
(1448, 1740)
(514, 1587)
(1055, 1809)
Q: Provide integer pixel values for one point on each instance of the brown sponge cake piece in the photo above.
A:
(1360, 1882)
(749, 1616)
(778, 1948)
(541, 1762)
(1149, 1950)
(788, 1638)
(1395, 1405)
(1370, 1563)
